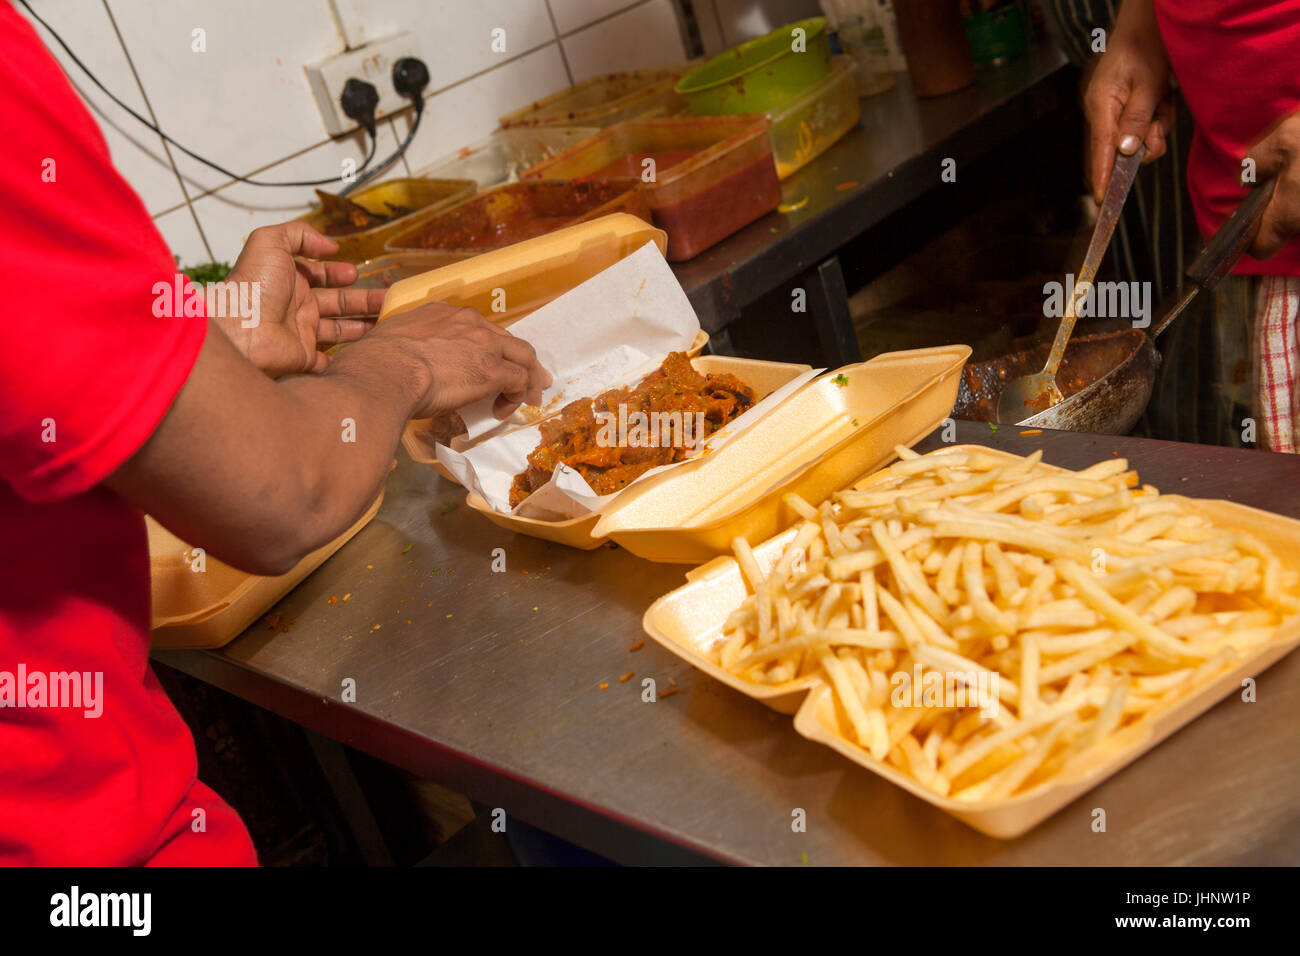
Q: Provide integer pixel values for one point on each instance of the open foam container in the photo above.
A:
(688, 622)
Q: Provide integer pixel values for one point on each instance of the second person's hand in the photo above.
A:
(1128, 100)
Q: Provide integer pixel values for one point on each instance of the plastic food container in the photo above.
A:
(759, 74)
(712, 176)
(193, 610)
(382, 272)
(501, 157)
(689, 620)
(422, 196)
(604, 100)
(519, 211)
(807, 125)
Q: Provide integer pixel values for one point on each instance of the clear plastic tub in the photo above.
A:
(419, 195)
(805, 127)
(604, 100)
(712, 175)
(503, 156)
(383, 271)
(519, 211)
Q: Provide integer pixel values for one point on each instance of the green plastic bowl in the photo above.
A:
(759, 74)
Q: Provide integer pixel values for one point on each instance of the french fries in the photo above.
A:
(990, 627)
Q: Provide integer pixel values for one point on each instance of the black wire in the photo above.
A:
(374, 142)
(415, 125)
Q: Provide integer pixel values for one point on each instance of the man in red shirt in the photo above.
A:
(1235, 61)
(108, 410)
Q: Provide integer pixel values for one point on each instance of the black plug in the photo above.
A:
(410, 77)
(359, 100)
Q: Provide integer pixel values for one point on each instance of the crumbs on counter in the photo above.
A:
(626, 677)
(1032, 431)
(846, 185)
(604, 686)
(841, 380)
(347, 597)
(408, 547)
(334, 599)
(668, 692)
(638, 645)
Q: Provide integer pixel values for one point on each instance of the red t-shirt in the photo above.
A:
(86, 374)
(1238, 64)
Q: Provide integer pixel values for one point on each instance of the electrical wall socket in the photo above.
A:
(372, 63)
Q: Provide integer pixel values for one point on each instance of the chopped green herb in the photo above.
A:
(993, 428)
(408, 547)
(207, 272)
(534, 607)
(449, 506)
(855, 423)
(803, 857)
(434, 571)
(841, 380)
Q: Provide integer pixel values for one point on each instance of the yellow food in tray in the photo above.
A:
(989, 625)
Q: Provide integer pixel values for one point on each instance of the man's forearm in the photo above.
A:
(261, 472)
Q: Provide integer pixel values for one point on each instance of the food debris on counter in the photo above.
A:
(449, 506)
(346, 597)
(626, 677)
(334, 599)
(1032, 431)
(841, 380)
(604, 686)
(846, 185)
(638, 645)
(408, 547)
(668, 692)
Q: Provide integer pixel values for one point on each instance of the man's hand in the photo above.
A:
(458, 357)
(1128, 100)
(1278, 155)
(300, 300)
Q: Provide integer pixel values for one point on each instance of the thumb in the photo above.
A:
(299, 239)
(1135, 122)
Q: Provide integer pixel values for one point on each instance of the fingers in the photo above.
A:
(1158, 135)
(1277, 150)
(1281, 219)
(1103, 108)
(336, 331)
(328, 274)
(338, 302)
(1277, 155)
(519, 352)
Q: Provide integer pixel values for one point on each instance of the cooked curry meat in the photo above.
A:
(575, 438)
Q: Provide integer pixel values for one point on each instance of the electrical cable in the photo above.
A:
(221, 169)
(415, 125)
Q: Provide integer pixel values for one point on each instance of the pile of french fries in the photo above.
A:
(1076, 603)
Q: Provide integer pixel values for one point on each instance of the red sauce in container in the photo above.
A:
(630, 165)
(715, 212)
(515, 213)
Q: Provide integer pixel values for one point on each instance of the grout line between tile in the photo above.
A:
(609, 16)
(555, 28)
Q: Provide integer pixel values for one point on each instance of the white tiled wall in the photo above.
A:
(724, 23)
(244, 103)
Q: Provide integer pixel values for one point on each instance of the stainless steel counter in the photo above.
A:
(489, 683)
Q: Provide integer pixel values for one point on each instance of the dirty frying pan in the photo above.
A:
(1106, 378)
